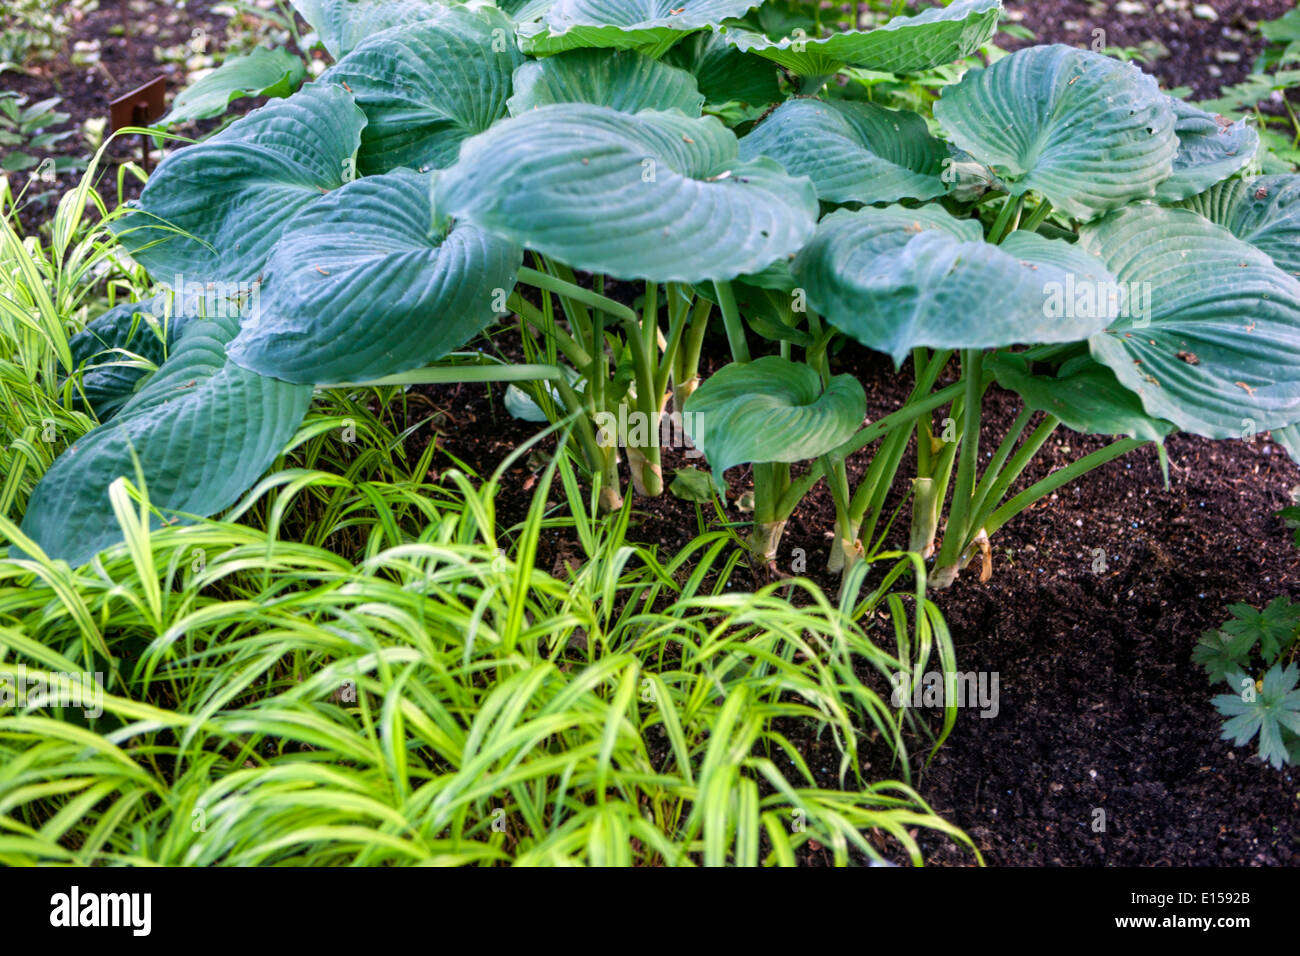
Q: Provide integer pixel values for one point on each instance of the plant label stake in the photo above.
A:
(140, 107)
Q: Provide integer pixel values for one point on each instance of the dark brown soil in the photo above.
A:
(1101, 707)
(1204, 54)
(127, 60)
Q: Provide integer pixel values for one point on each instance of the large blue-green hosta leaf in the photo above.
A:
(1264, 211)
(212, 212)
(362, 285)
(853, 152)
(934, 37)
(202, 428)
(650, 25)
(623, 80)
(1289, 439)
(1088, 132)
(656, 196)
(771, 410)
(1210, 149)
(897, 278)
(1216, 349)
(427, 87)
(524, 10)
(341, 25)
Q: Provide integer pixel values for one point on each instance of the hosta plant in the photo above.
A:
(617, 175)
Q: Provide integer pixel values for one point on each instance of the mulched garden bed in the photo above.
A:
(1101, 706)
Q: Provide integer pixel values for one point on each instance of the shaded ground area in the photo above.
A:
(1101, 707)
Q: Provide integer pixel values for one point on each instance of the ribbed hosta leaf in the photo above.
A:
(623, 80)
(899, 278)
(1085, 395)
(146, 329)
(1218, 349)
(427, 87)
(724, 74)
(650, 25)
(342, 24)
(101, 345)
(213, 211)
(653, 196)
(1088, 132)
(932, 38)
(202, 428)
(853, 152)
(361, 286)
(1264, 212)
(1210, 149)
(771, 410)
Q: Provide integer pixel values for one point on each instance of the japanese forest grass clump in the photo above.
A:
(1055, 224)
(260, 699)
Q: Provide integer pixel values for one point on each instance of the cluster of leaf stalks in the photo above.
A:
(651, 364)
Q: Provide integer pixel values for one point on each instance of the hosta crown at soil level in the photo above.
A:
(378, 220)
